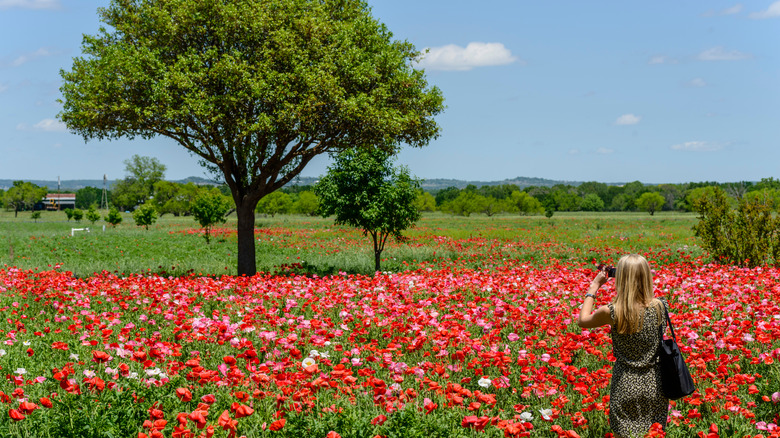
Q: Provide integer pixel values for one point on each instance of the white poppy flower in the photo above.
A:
(484, 382)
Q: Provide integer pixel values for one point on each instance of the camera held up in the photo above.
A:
(610, 270)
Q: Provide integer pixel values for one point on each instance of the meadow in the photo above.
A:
(469, 330)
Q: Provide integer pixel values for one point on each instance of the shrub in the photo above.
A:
(113, 217)
(145, 215)
(209, 209)
(746, 236)
(78, 214)
(92, 214)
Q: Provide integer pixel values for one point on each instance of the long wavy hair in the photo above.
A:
(634, 294)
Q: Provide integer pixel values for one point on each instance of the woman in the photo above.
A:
(636, 400)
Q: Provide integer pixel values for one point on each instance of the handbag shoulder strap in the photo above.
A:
(668, 321)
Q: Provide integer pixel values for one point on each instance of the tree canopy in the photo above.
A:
(255, 88)
(23, 195)
(142, 173)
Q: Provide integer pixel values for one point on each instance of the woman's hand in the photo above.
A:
(600, 279)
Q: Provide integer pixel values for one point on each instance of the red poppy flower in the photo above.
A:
(16, 415)
(184, 394)
(278, 424)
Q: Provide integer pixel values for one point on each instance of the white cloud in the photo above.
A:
(721, 54)
(698, 146)
(27, 57)
(773, 11)
(736, 9)
(50, 125)
(627, 119)
(30, 4)
(574, 151)
(697, 82)
(3, 87)
(453, 57)
(660, 59)
(604, 151)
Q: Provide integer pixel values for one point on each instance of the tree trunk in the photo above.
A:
(377, 252)
(247, 264)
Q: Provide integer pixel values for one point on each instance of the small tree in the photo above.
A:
(36, 215)
(275, 203)
(465, 203)
(92, 214)
(145, 215)
(524, 203)
(307, 203)
(78, 214)
(69, 213)
(592, 202)
(425, 201)
(209, 209)
(650, 202)
(113, 217)
(364, 190)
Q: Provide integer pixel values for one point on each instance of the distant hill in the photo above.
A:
(75, 184)
(435, 184)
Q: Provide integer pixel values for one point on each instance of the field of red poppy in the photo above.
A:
(470, 332)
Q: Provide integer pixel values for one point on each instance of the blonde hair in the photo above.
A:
(633, 294)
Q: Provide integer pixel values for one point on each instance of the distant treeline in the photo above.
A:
(588, 196)
(176, 198)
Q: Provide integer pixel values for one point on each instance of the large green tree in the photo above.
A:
(254, 88)
(142, 173)
(364, 190)
(23, 195)
(86, 196)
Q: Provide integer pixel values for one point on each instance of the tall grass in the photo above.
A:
(175, 246)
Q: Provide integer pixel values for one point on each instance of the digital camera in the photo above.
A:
(610, 270)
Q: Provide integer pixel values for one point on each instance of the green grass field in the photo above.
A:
(313, 245)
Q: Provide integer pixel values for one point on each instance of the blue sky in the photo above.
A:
(605, 91)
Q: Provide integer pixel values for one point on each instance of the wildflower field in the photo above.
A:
(470, 332)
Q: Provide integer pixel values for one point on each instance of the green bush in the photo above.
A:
(145, 215)
(113, 217)
(209, 209)
(92, 214)
(746, 236)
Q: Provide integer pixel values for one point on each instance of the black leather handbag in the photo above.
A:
(676, 381)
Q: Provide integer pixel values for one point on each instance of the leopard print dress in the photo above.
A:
(636, 400)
